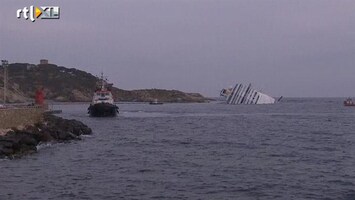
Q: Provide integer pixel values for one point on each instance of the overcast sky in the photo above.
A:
(283, 47)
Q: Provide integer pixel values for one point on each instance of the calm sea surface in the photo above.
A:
(298, 149)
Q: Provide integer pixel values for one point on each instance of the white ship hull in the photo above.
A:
(241, 94)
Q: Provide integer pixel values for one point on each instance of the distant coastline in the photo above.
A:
(63, 84)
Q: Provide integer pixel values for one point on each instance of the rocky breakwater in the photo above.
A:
(18, 142)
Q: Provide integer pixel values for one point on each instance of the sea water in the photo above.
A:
(297, 149)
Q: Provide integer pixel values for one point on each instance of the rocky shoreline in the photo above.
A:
(16, 143)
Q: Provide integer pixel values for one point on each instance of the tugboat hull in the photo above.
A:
(103, 110)
(349, 102)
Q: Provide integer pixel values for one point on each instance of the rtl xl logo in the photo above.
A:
(42, 12)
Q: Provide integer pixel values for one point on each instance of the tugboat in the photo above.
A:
(102, 102)
(349, 102)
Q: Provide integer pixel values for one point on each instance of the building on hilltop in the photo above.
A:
(43, 62)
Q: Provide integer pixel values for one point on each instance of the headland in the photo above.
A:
(72, 85)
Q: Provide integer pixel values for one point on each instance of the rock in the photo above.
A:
(20, 142)
(6, 143)
(66, 135)
(64, 129)
(6, 152)
(45, 136)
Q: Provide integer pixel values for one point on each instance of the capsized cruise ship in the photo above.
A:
(245, 94)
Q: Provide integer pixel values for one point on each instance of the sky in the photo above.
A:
(303, 48)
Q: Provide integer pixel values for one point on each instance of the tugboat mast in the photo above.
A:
(102, 81)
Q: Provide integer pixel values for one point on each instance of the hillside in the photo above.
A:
(73, 85)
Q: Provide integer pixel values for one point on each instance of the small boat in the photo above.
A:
(155, 102)
(349, 102)
(102, 102)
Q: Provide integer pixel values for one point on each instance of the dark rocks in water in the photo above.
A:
(53, 129)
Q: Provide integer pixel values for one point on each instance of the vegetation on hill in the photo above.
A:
(73, 85)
